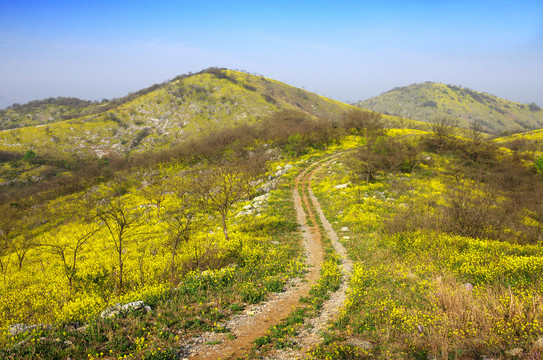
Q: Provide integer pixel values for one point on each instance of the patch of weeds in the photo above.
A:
(339, 351)
(214, 342)
(261, 341)
(235, 307)
(252, 293)
(274, 284)
(162, 354)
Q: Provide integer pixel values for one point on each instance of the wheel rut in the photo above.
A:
(312, 335)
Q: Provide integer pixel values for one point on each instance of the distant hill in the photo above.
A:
(158, 116)
(39, 112)
(424, 101)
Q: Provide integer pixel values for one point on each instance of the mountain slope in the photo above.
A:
(169, 113)
(39, 112)
(425, 101)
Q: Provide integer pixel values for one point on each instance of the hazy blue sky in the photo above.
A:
(347, 50)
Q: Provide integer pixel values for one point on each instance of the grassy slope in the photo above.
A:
(421, 293)
(427, 100)
(535, 135)
(169, 114)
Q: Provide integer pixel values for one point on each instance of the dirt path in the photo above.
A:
(257, 319)
(312, 336)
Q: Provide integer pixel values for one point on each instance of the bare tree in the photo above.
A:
(443, 128)
(363, 122)
(179, 221)
(17, 232)
(69, 251)
(8, 225)
(475, 132)
(123, 225)
(155, 191)
(219, 187)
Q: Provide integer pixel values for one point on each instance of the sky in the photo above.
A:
(346, 50)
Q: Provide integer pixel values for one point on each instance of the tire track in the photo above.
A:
(312, 336)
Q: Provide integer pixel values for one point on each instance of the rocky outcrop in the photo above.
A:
(117, 309)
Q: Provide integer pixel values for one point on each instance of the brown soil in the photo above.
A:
(312, 336)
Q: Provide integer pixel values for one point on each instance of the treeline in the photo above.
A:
(35, 105)
(293, 131)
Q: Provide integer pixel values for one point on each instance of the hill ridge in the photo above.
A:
(166, 113)
(423, 101)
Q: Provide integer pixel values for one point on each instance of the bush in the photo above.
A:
(385, 154)
(539, 165)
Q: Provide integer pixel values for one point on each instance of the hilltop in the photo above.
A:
(156, 117)
(425, 101)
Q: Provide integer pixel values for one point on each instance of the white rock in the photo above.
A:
(516, 352)
(538, 344)
(135, 305)
(345, 229)
(342, 186)
(132, 306)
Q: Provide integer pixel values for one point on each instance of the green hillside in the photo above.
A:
(425, 101)
(162, 115)
(39, 112)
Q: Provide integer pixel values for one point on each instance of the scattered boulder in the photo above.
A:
(361, 344)
(342, 186)
(538, 344)
(344, 229)
(118, 308)
(516, 352)
(17, 329)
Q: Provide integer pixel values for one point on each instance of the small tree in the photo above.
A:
(476, 131)
(383, 154)
(363, 122)
(8, 225)
(155, 192)
(17, 232)
(219, 187)
(123, 225)
(179, 221)
(443, 128)
(69, 251)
